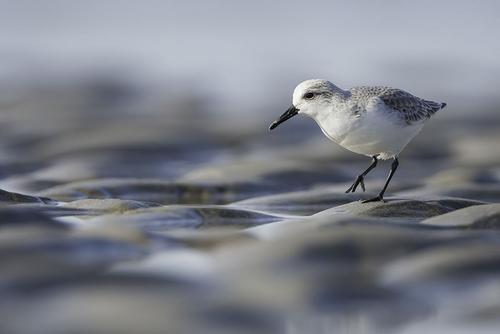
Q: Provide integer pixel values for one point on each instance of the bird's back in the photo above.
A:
(408, 107)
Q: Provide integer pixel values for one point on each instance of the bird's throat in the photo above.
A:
(333, 125)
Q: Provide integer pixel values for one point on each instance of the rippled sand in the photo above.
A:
(118, 220)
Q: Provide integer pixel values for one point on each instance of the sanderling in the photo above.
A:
(374, 121)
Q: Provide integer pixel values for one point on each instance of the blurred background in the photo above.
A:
(112, 106)
(246, 58)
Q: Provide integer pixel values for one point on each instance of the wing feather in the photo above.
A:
(409, 107)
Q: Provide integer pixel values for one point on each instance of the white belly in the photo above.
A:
(372, 133)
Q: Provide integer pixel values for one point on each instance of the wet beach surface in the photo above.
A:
(120, 214)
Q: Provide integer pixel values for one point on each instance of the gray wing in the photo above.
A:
(411, 108)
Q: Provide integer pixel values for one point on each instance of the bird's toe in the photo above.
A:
(358, 182)
(374, 199)
(352, 188)
(362, 183)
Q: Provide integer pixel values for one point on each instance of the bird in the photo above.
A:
(375, 121)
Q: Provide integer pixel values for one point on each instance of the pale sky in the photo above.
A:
(242, 49)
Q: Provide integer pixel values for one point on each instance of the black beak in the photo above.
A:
(292, 111)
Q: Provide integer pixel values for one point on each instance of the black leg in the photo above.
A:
(360, 179)
(380, 196)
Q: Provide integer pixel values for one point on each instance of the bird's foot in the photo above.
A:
(359, 181)
(379, 198)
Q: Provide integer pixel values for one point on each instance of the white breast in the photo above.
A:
(376, 131)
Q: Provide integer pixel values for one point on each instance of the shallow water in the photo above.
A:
(114, 220)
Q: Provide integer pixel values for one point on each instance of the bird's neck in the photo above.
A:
(336, 119)
(339, 98)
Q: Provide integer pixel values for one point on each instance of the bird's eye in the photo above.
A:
(308, 96)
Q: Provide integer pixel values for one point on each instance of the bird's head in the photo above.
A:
(309, 98)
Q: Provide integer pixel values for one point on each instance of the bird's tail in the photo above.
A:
(433, 107)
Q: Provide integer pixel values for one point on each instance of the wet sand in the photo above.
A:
(119, 216)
